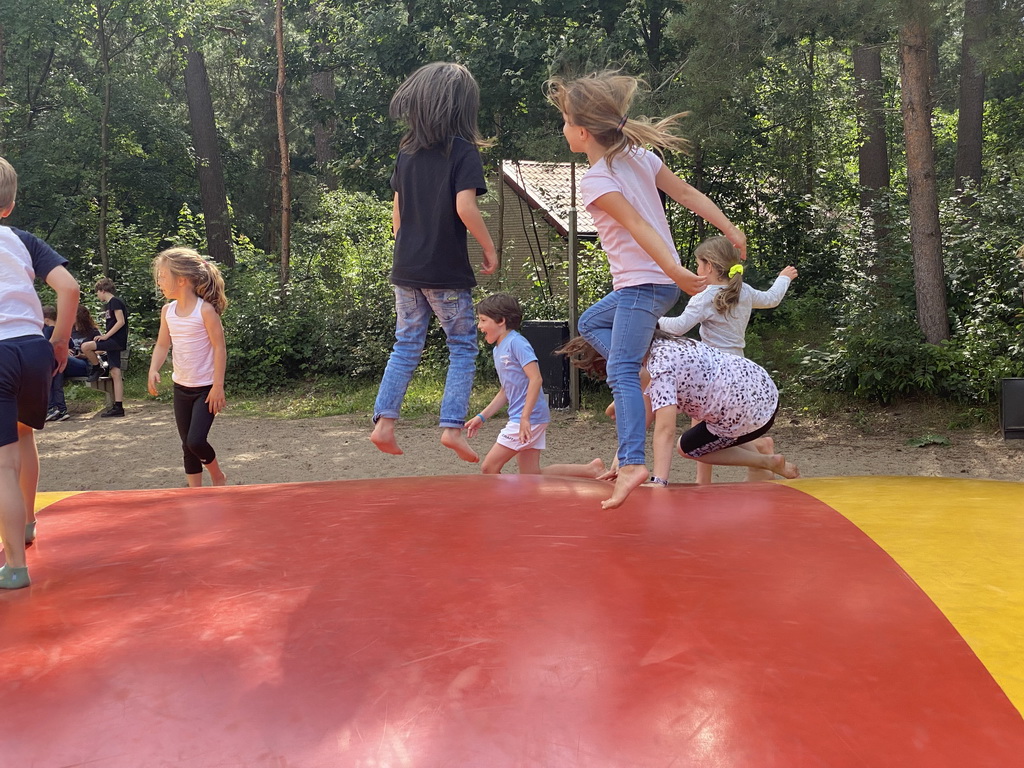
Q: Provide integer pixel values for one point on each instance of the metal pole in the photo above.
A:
(574, 372)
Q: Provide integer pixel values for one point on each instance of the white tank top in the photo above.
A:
(192, 352)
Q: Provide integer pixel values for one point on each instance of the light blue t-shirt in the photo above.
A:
(510, 355)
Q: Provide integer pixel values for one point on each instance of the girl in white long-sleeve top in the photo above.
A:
(723, 309)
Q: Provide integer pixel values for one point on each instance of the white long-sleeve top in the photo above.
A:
(728, 331)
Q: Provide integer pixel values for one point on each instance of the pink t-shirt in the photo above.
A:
(633, 174)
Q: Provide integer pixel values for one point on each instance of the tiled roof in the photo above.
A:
(547, 188)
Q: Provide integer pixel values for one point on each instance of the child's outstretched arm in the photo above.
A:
(696, 201)
(215, 330)
(492, 409)
(66, 288)
(469, 212)
(774, 295)
(620, 209)
(697, 310)
(163, 344)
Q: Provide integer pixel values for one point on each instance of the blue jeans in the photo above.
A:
(620, 327)
(454, 310)
(77, 366)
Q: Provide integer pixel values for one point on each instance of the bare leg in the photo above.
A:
(383, 436)
(629, 478)
(118, 380)
(12, 504)
(528, 460)
(593, 470)
(28, 477)
(454, 439)
(217, 476)
(747, 455)
(89, 350)
(766, 446)
(496, 459)
(703, 470)
(195, 480)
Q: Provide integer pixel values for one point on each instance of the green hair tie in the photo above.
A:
(735, 269)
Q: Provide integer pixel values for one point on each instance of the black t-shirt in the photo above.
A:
(430, 248)
(121, 337)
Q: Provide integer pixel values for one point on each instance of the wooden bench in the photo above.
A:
(104, 383)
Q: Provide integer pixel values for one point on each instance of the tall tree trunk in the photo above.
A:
(810, 162)
(282, 140)
(873, 155)
(208, 162)
(925, 238)
(972, 95)
(104, 192)
(323, 129)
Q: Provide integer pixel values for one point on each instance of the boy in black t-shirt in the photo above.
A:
(113, 342)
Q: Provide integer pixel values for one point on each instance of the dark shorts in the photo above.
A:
(698, 440)
(26, 371)
(113, 350)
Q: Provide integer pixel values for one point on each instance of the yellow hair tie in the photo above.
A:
(735, 269)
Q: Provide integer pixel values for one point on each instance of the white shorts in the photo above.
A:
(509, 437)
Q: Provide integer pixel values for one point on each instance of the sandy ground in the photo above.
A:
(142, 449)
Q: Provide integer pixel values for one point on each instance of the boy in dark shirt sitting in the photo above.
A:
(114, 341)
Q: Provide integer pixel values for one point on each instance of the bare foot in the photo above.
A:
(218, 480)
(596, 468)
(630, 477)
(454, 439)
(383, 436)
(780, 466)
(765, 445)
(759, 475)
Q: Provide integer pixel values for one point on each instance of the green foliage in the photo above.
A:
(878, 352)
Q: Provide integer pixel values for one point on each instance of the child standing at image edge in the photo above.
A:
(438, 176)
(27, 364)
(621, 192)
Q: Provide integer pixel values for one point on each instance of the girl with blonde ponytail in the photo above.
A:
(191, 323)
(621, 192)
(723, 309)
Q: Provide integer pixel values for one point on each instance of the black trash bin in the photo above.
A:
(1011, 409)
(545, 336)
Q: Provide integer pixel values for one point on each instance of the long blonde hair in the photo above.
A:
(722, 256)
(438, 102)
(202, 275)
(600, 102)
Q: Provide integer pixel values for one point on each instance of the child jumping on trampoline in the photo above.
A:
(621, 192)
(723, 308)
(499, 318)
(438, 176)
(732, 400)
(191, 324)
(27, 364)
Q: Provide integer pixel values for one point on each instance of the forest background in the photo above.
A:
(875, 144)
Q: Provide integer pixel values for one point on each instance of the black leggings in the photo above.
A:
(193, 417)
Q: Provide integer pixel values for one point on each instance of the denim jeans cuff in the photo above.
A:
(452, 424)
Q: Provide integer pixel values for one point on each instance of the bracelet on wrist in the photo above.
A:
(481, 417)
(657, 480)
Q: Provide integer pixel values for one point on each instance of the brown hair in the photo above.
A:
(437, 102)
(8, 184)
(202, 275)
(600, 103)
(583, 356)
(83, 319)
(49, 312)
(104, 284)
(722, 256)
(502, 306)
